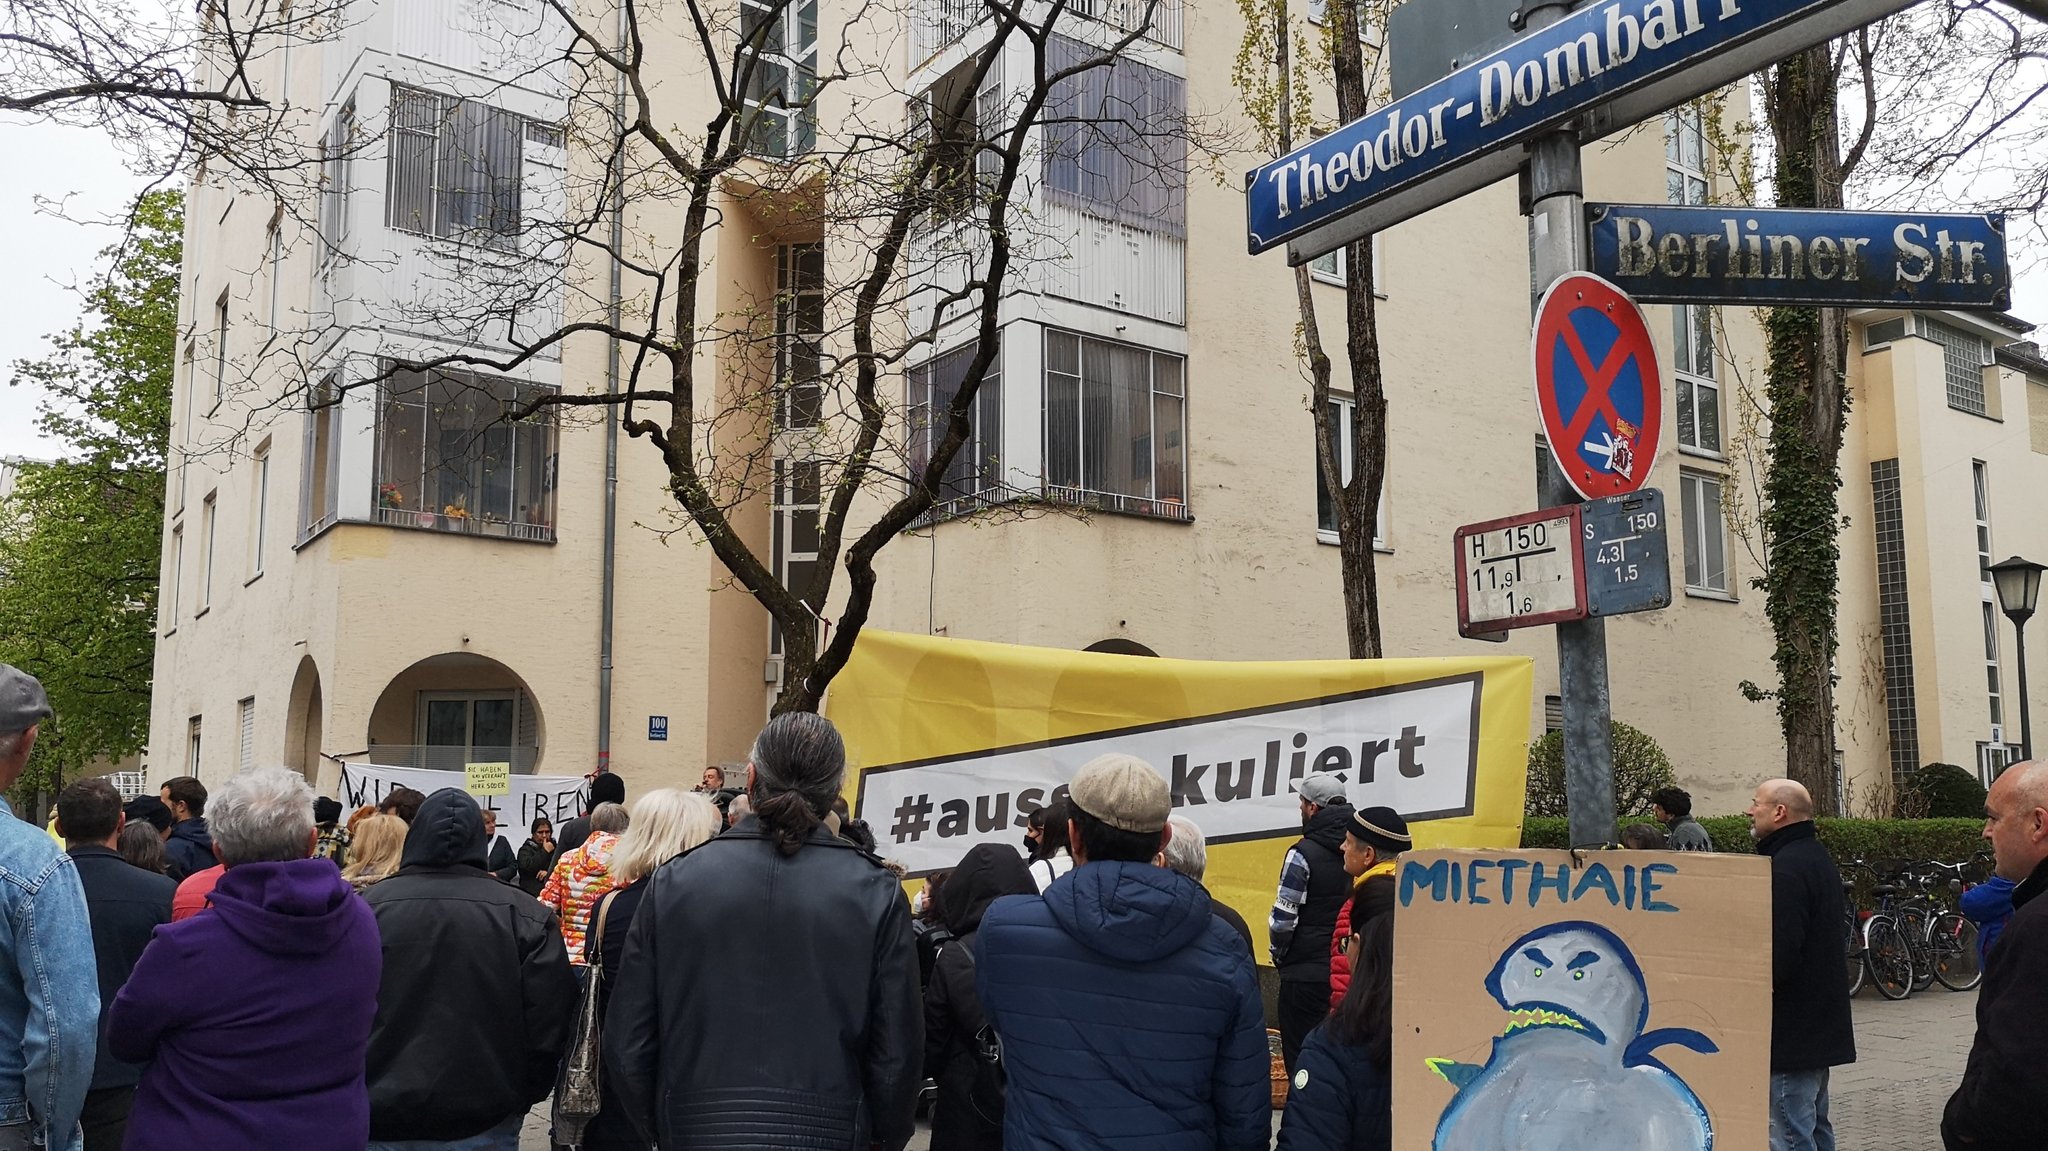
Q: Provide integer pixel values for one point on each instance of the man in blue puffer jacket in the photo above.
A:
(1129, 1014)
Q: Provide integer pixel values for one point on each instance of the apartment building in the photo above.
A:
(396, 572)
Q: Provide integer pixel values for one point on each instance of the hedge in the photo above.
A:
(1948, 840)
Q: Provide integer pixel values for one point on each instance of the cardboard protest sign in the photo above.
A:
(956, 742)
(1618, 1003)
(487, 778)
(523, 798)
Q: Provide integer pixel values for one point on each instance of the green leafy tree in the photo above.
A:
(1640, 768)
(80, 539)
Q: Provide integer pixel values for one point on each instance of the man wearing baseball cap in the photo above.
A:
(1313, 888)
(49, 1020)
(1128, 1013)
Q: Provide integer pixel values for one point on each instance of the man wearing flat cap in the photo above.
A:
(1373, 843)
(1313, 888)
(1128, 1013)
(50, 1007)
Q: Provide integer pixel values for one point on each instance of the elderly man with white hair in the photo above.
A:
(1188, 853)
(254, 1019)
(50, 1006)
(1994, 1108)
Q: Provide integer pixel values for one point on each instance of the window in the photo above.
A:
(246, 721)
(976, 468)
(1347, 451)
(452, 457)
(220, 349)
(794, 509)
(1553, 713)
(334, 178)
(777, 58)
(1685, 155)
(799, 332)
(192, 748)
(1114, 140)
(1991, 665)
(173, 601)
(318, 487)
(274, 258)
(1963, 359)
(457, 728)
(259, 511)
(1980, 485)
(1706, 534)
(1115, 416)
(1335, 267)
(454, 169)
(1318, 11)
(208, 526)
(964, 172)
(1699, 397)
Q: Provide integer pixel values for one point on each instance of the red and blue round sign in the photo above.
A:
(1598, 390)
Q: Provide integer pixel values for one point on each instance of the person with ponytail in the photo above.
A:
(822, 1046)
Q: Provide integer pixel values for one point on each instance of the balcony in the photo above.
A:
(936, 24)
(458, 453)
(463, 524)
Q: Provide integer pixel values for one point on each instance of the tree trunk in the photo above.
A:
(1358, 506)
(1809, 410)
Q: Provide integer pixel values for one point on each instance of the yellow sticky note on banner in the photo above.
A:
(487, 778)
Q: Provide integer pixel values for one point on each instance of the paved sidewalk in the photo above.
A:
(1910, 1057)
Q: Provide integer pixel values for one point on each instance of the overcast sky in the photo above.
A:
(46, 256)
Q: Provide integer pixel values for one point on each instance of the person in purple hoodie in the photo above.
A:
(238, 1058)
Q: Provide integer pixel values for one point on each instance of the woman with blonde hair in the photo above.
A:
(666, 823)
(373, 851)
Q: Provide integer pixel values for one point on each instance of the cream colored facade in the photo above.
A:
(312, 618)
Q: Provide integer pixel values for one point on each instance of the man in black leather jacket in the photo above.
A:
(821, 1047)
(477, 988)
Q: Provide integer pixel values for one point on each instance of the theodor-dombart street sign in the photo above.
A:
(1611, 64)
(1669, 253)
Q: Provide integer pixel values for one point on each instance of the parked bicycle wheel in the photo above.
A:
(1913, 923)
(1952, 945)
(1888, 956)
(1854, 946)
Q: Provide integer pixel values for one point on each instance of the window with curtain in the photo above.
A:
(977, 467)
(1115, 140)
(454, 167)
(452, 457)
(1115, 418)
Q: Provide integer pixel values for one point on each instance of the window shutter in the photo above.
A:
(247, 758)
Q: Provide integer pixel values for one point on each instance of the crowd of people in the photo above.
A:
(735, 966)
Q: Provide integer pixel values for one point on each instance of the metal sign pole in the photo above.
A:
(1557, 246)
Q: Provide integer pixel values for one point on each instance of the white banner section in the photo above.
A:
(558, 797)
(1411, 747)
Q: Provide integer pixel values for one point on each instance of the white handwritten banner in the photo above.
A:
(529, 797)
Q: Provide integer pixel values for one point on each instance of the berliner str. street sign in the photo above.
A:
(1666, 253)
(1609, 65)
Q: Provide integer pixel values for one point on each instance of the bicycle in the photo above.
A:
(1950, 941)
(1887, 956)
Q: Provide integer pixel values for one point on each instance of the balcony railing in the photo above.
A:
(438, 758)
(938, 23)
(468, 525)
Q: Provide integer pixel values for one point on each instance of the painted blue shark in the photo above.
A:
(1574, 1069)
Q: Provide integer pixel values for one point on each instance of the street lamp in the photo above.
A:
(2019, 588)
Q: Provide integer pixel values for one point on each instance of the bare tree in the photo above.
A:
(1278, 96)
(901, 213)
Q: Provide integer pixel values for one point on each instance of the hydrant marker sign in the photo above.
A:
(955, 742)
(1616, 1001)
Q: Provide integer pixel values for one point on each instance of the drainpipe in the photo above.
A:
(611, 441)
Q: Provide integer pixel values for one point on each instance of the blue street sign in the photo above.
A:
(1623, 61)
(1722, 255)
(1627, 554)
(657, 728)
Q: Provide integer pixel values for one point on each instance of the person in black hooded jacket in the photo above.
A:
(952, 1011)
(1313, 889)
(476, 978)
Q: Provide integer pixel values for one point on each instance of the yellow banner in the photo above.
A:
(955, 742)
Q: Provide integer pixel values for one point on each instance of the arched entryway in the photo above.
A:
(1117, 645)
(456, 708)
(304, 720)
